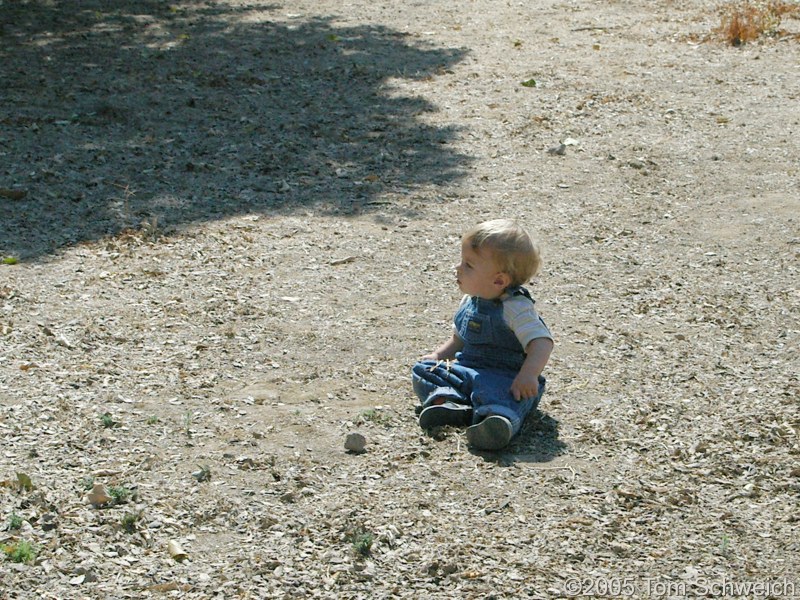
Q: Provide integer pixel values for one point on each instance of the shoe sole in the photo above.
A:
(439, 415)
(493, 433)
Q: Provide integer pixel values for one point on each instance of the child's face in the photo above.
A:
(478, 275)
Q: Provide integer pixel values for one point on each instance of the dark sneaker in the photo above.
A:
(493, 433)
(447, 413)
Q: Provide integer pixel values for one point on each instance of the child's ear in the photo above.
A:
(502, 280)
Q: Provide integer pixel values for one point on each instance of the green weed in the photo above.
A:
(14, 522)
(119, 494)
(20, 552)
(374, 416)
(130, 521)
(361, 540)
(724, 547)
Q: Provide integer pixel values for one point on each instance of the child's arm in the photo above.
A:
(526, 383)
(447, 351)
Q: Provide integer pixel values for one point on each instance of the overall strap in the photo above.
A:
(518, 290)
(483, 306)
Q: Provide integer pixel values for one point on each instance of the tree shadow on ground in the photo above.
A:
(119, 113)
(538, 442)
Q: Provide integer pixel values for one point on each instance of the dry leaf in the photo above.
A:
(170, 586)
(175, 551)
(98, 496)
(471, 574)
(342, 261)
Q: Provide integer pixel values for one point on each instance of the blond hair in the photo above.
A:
(512, 248)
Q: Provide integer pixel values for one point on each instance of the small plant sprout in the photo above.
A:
(369, 415)
(724, 546)
(130, 521)
(87, 482)
(119, 494)
(14, 522)
(152, 420)
(187, 423)
(20, 552)
(362, 541)
(375, 416)
(202, 474)
(108, 421)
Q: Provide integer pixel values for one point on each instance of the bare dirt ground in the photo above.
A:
(237, 234)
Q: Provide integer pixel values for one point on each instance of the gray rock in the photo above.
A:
(355, 443)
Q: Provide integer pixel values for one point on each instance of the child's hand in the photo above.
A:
(526, 383)
(525, 386)
(446, 351)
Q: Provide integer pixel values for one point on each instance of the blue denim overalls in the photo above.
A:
(485, 368)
